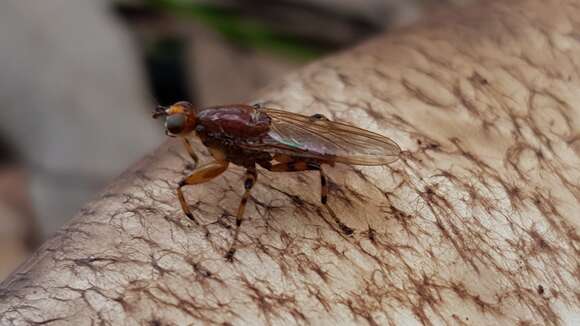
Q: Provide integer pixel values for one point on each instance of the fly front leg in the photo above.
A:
(293, 166)
(201, 175)
(251, 177)
(190, 151)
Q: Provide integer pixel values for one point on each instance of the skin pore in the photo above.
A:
(477, 223)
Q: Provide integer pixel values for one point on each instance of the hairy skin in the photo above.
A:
(476, 224)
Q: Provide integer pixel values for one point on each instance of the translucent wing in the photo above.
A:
(297, 135)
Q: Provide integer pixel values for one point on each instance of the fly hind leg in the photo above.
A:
(201, 175)
(324, 200)
(251, 177)
(294, 166)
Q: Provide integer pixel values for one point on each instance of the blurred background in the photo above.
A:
(79, 80)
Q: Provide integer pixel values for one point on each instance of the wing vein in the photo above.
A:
(297, 135)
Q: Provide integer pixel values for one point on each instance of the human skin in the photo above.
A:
(475, 224)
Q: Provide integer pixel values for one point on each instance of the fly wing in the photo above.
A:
(298, 135)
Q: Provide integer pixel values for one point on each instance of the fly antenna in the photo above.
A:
(160, 111)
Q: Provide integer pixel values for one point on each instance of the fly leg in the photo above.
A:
(311, 166)
(251, 177)
(192, 154)
(324, 200)
(201, 175)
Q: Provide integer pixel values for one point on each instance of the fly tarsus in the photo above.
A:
(324, 200)
(251, 177)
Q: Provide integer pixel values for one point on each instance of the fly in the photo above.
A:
(275, 140)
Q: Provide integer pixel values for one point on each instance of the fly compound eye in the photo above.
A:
(175, 123)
